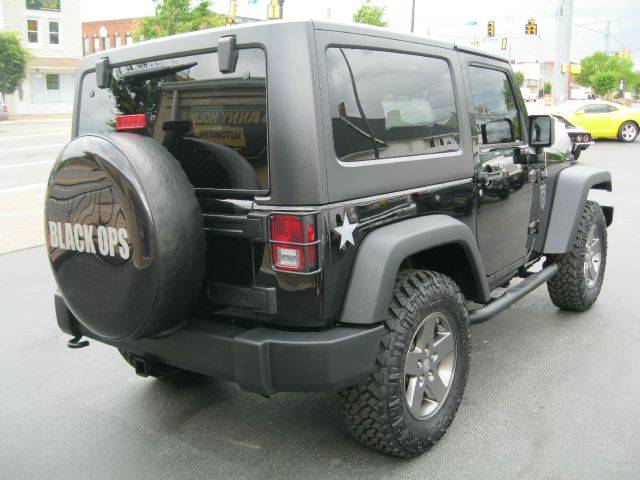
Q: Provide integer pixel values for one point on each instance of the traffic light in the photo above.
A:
(491, 29)
(273, 11)
(504, 44)
(531, 27)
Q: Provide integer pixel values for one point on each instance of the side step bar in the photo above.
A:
(512, 295)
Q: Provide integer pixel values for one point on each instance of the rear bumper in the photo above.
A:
(260, 360)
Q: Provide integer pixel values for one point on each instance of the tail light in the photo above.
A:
(294, 243)
(131, 122)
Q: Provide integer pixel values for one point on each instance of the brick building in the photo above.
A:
(102, 35)
(50, 30)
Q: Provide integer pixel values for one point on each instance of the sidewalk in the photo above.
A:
(39, 118)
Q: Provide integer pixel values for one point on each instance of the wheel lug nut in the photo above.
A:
(430, 376)
(421, 381)
(419, 364)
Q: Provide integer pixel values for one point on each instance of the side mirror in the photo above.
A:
(541, 131)
(497, 131)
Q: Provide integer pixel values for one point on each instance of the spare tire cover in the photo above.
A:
(124, 234)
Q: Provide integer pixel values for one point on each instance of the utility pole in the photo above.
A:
(607, 36)
(564, 18)
(413, 14)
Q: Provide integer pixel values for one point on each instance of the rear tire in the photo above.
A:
(416, 386)
(577, 284)
(628, 132)
(161, 371)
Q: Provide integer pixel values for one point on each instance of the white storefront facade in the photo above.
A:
(51, 30)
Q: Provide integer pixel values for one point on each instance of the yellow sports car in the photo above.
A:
(603, 119)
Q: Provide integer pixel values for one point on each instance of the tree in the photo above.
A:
(546, 88)
(13, 62)
(603, 82)
(518, 77)
(177, 16)
(370, 14)
(598, 68)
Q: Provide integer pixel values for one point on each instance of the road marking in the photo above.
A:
(23, 188)
(21, 149)
(18, 165)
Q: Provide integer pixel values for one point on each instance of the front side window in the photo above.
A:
(54, 33)
(198, 113)
(32, 31)
(386, 105)
(494, 109)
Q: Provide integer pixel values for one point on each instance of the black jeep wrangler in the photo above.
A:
(304, 206)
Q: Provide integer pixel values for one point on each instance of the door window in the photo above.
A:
(386, 104)
(494, 107)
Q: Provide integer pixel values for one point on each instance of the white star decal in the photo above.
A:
(346, 232)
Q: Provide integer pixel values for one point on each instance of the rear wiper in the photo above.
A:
(155, 72)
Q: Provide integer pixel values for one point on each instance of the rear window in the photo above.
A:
(215, 124)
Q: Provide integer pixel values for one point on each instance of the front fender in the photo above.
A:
(572, 189)
(379, 257)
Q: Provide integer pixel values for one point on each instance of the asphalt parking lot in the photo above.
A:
(550, 394)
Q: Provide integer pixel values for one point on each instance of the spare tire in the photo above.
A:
(125, 235)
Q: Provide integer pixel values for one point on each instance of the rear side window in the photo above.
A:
(386, 104)
(215, 124)
(493, 100)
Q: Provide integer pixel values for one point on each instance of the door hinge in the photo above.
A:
(534, 227)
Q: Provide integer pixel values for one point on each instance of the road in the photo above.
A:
(550, 394)
(28, 148)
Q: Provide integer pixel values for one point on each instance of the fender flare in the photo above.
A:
(571, 191)
(381, 253)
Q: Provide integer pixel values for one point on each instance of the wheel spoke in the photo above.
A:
(424, 338)
(411, 365)
(443, 346)
(436, 389)
(592, 271)
(415, 395)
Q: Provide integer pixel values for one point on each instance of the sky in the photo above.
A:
(451, 20)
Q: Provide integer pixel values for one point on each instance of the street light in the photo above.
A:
(103, 33)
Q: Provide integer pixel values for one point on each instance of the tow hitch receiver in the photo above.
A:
(77, 342)
(141, 366)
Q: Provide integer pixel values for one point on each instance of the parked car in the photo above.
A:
(4, 111)
(580, 138)
(602, 119)
(349, 249)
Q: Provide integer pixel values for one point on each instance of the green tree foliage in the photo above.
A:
(546, 89)
(370, 14)
(603, 82)
(518, 77)
(13, 62)
(599, 68)
(177, 16)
